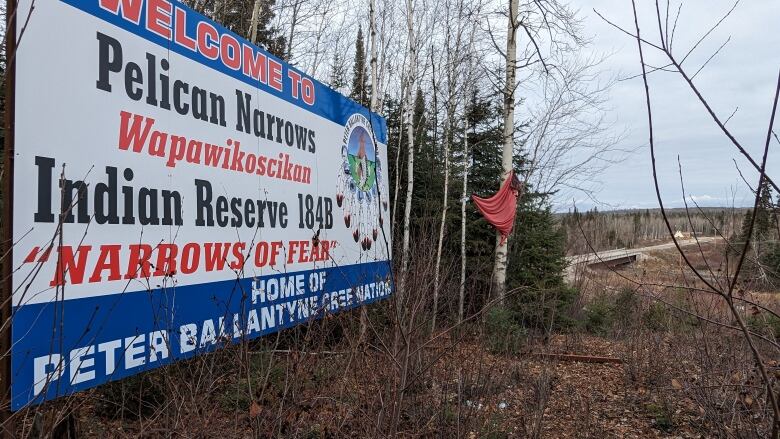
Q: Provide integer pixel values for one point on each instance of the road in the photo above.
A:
(608, 255)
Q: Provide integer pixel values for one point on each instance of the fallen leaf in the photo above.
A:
(676, 384)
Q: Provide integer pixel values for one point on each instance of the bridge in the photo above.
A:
(621, 257)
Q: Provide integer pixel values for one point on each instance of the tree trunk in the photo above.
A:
(467, 90)
(463, 198)
(293, 22)
(411, 81)
(374, 78)
(500, 264)
(450, 66)
(372, 31)
(253, 22)
(437, 269)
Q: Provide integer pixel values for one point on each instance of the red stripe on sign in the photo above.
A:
(32, 255)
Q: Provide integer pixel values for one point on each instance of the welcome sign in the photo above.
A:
(176, 189)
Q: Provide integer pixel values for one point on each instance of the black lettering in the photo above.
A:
(203, 204)
(180, 88)
(148, 216)
(151, 85)
(109, 60)
(243, 109)
(44, 213)
(103, 190)
(133, 76)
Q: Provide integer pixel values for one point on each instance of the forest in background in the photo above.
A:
(605, 230)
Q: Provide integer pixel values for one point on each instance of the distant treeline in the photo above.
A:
(632, 228)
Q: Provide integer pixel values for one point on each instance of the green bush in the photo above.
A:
(770, 260)
(625, 308)
(505, 335)
(662, 415)
(543, 309)
(765, 324)
(134, 397)
(609, 311)
(598, 315)
(656, 317)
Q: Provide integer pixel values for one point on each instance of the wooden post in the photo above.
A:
(6, 243)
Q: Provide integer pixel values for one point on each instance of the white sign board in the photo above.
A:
(177, 189)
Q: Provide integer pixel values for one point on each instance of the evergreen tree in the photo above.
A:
(764, 212)
(360, 92)
(537, 258)
(236, 15)
(337, 74)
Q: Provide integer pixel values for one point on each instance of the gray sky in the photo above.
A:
(742, 76)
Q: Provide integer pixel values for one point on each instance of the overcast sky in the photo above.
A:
(742, 76)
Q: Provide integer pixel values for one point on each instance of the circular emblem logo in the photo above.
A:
(361, 152)
(360, 182)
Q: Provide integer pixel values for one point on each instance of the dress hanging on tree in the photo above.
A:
(499, 210)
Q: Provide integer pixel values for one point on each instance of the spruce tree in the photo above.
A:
(337, 74)
(764, 212)
(537, 259)
(360, 93)
(236, 15)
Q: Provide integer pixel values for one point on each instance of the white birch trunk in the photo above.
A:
(253, 22)
(467, 90)
(374, 78)
(293, 23)
(463, 198)
(411, 81)
(500, 264)
(372, 31)
(451, 86)
(437, 269)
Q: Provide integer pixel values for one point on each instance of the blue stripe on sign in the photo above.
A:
(329, 103)
(124, 326)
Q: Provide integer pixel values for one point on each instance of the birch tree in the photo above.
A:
(373, 108)
(411, 82)
(502, 246)
(452, 63)
(467, 91)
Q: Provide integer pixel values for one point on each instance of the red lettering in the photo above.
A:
(190, 258)
(68, 265)
(275, 74)
(133, 133)
(108, 260)
(261, 254)
(295, 77)
(255, 65)
(158, 17)
(139, 258)
(213, 153)
(230, 51)
(303, 253)
(216, 255)
(238, 249)
(276, 247)
(308, 91)
(131, 9)
(166, 259)
(181, 37)
(207, 37)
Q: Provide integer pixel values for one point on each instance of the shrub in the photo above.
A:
(765, 324)
(545, 309)
(134, 397)
(504, 334)
(598, 315)
(656, 317)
